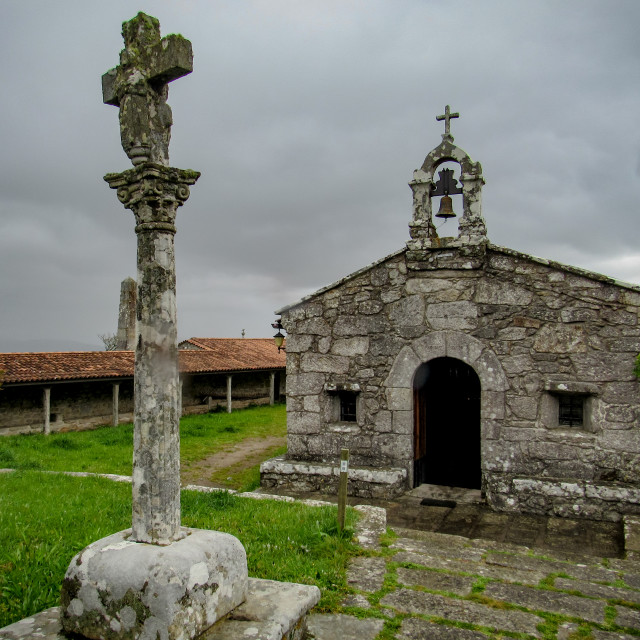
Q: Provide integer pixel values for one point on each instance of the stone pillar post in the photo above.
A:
(46, 407)
(472, 226)
(272, 388)
(116, 398)
(229, 394)
(154, 193)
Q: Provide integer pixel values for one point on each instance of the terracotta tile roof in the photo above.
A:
(227, 354)
(217, 355)
(68, 365)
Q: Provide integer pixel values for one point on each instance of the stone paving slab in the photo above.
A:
(569, 630)
(453, 551)
(598, 590)
(632, 579)
(626, 617)
(342, 627)
(436, 581)
(611, 635)
(356, 600)
(366, 574)
(506, 574)
(553, 601)
(578, 571)
(430, 604)
(418, 629)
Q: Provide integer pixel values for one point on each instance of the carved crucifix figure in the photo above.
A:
(138, 85)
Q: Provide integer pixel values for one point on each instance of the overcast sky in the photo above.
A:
(307, 119)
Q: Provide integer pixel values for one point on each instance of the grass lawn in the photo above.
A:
(110, 449)
(45, 519)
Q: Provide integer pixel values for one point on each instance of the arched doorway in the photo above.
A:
(446, 402)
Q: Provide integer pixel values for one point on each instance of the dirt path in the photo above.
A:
(233, 459)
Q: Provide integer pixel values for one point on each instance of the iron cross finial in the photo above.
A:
(447, 116)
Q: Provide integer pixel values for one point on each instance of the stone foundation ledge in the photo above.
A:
(632, 537)
(302, 476)
(272, 611)
(564, 497)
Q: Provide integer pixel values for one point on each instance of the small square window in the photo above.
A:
(347, 407)
(571, 410)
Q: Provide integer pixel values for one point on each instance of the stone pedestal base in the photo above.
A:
(116, 588)
(272, 611)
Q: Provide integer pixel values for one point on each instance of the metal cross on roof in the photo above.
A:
(447, 116)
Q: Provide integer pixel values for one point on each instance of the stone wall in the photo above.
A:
(74, 406)
(530, 328)
(246, 388)
(84, 405)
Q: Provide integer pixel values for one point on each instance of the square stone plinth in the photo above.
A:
(117, 588)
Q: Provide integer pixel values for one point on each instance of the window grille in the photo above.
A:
(571, 410)
(348, 407)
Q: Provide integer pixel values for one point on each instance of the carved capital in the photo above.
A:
(153, 192)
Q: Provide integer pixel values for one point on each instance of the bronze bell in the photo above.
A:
(446, 208)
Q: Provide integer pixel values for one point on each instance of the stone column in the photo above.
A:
(116, 398)
(229, 394)
(272, 388)
(154, 193)
(46, 407)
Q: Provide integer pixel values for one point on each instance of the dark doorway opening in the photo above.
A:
(446, 401)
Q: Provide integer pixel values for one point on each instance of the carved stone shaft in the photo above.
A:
(154, 193)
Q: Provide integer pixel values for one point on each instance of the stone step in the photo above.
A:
(272, 611)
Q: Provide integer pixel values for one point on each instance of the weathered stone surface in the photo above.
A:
(456, 316)
(323, 363)
(541, 565)
(430, 547)
(539, 599)
(477, 568)
(435, 581)
(602, 591)
(366, 574)
(120, 588)
(356, 600)
(326, 626)
(282, 604)
(349, 346)
(502, 292)
(627, 617)
(462, 611)
(419, 629)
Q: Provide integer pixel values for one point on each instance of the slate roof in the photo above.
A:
(222, 355)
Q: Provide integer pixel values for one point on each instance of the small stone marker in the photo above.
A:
(342, 487)
(158, 580)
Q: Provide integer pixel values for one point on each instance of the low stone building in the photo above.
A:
(66, 391)
(458, 362)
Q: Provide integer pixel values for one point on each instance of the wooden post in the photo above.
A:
(228, 394)
(342, 489)
(272, 388)
(46, 406)
(116, 398)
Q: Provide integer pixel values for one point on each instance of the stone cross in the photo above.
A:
(138, 85)
(447, 116)
(153, 191)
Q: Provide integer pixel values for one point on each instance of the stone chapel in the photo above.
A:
(457, 362)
